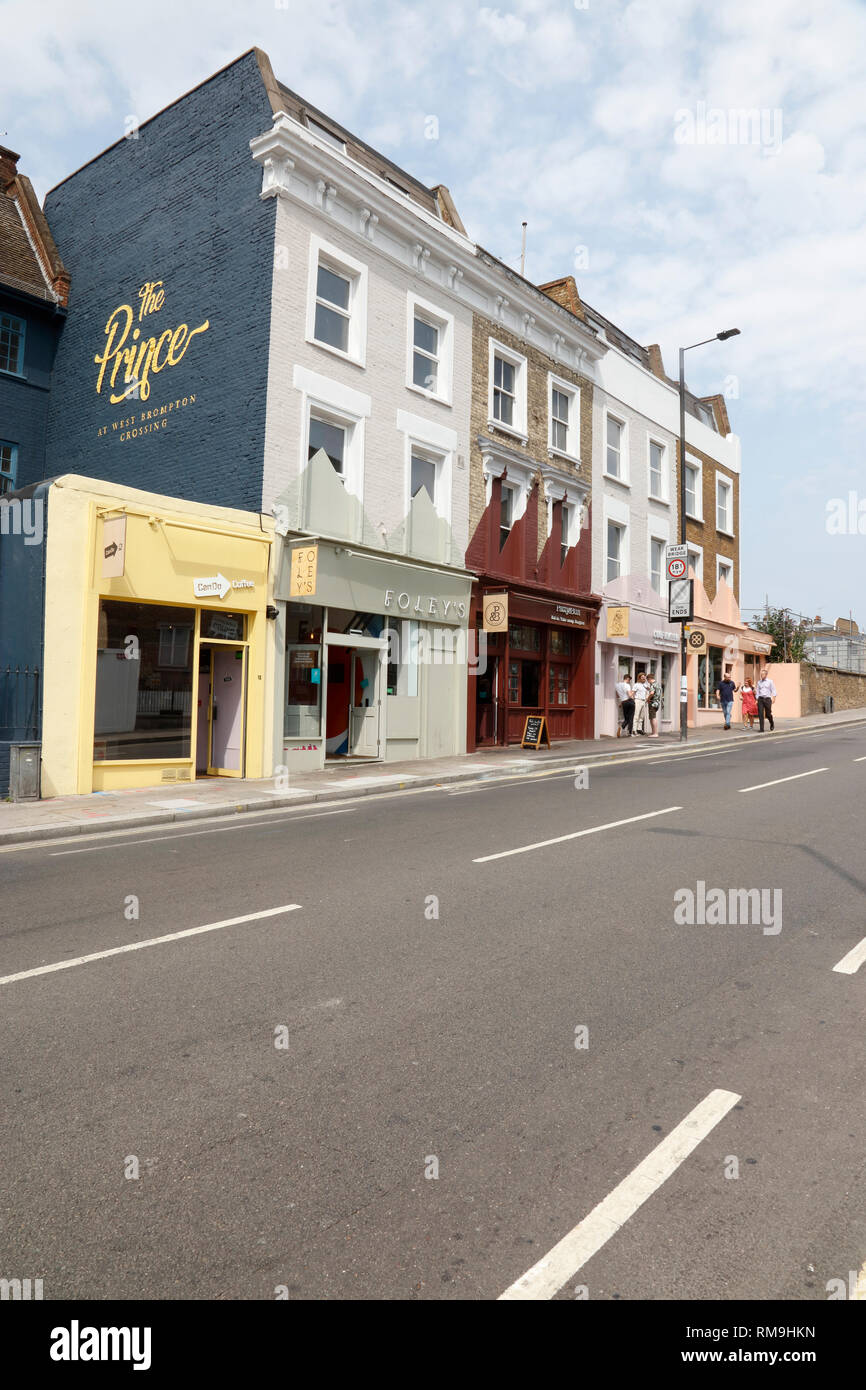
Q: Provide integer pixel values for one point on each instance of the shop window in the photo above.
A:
(174, 641)
(523, 682)
(710, 669)
(402, 637)
(143, 702)
(560, 680)
(526, 638)
(529, 682)
(560, 642)
(303, 714)
(226, 627)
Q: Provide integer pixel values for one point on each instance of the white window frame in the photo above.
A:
(572, 442)
(695, 463)
(617, 509)
(437, 443)
(727, 483)
(514, 490)
(444, 322)
(664, 542)
(623, 533)
(518, 428)
(696, 559)
(624, 476)
(343, 406)
(357, 273)
(664, 496)
(726, 562)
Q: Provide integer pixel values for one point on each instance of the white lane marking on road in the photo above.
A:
(547, 1277)
(860, 760)
(850, 964)
(190, 834)
(153, 941)
(575, 835)
(779, 780)
(689, 757)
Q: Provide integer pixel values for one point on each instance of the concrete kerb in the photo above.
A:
(70, 829)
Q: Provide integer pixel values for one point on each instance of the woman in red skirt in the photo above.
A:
(750, 703)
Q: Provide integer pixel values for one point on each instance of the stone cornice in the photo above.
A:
(298, 165)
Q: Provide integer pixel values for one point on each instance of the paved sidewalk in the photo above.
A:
(100, 811)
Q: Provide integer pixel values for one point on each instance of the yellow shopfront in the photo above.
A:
(156, 616)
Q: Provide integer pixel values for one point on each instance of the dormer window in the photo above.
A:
(336, 141)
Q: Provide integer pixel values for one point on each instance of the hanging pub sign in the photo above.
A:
(495, 612)
(305, 565)
(617, 622)
(535, 732)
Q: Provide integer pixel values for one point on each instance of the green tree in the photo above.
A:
(788, 631)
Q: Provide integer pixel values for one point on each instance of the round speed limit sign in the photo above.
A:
(677, 569)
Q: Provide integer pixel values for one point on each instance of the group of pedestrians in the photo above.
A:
(640, 701)
(757, 699)
(639, 705)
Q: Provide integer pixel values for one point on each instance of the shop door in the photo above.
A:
(486, 703)
(366, 708)
(228, 682)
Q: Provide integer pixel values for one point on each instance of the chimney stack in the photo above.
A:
(8, 167)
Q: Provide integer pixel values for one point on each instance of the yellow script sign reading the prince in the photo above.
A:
(132, 357)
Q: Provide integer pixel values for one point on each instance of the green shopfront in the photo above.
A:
(372, 656)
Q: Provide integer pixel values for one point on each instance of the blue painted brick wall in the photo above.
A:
(179, 204)
(24, 399)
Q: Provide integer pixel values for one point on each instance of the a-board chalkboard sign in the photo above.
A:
(535, 732)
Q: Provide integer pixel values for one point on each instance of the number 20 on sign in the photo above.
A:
(305, 564)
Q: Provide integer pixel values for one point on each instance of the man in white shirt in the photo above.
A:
(641, 695)
(625, 697)
(766, 693)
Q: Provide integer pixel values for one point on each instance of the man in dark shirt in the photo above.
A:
(725, 691)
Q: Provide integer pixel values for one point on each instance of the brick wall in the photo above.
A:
(24, 400)
(817, 682)
(704, 533)
(535, 451)
(178, 204)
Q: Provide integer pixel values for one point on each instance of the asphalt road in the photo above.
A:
(419, 1042)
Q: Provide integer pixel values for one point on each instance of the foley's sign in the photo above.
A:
(305, 567)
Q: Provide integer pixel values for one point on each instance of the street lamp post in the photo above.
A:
(720, 337)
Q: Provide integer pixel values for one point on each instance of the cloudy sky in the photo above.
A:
(583, 117)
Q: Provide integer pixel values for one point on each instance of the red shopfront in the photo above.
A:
(542, 665)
